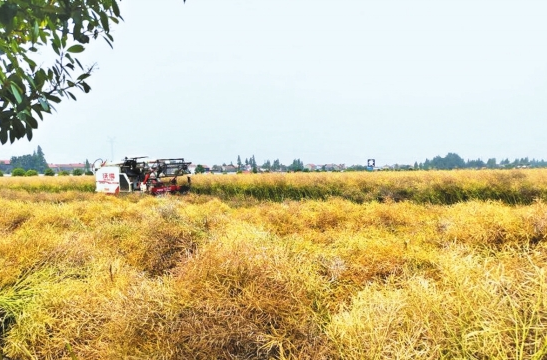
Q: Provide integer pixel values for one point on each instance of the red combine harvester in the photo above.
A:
(154, 177)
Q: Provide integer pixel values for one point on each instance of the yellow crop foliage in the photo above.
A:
(517, 186)
(50, 184)
(89, 276)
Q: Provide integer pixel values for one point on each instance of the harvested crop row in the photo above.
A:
(194, 277)
(434, 187)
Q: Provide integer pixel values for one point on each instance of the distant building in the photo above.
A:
(334, 167)
(66, 167)
(216, 169)
(192, 168)
(5, 166)
(229, 169)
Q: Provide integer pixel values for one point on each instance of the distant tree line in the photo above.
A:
(276, 165)
(27, 165)
(449, 162)
(36, 161)
(454, 161)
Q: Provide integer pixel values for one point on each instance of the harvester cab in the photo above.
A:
(133, 174)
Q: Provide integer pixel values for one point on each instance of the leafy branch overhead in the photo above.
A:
(27, 90)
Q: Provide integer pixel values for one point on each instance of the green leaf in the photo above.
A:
(55, 48)
(43, 36)
(29, 133)
(86, 87)
(38, 110)
(115, 8)
(53, 98)
(83, 76)
(31, 63)
(7, 13)
(44, 104)
(35, 31)
(84, 39)
(56, 72)
(17, 131)
(79, 64)
(67, 56)
(108, 42)
(77, 30)
(4, 135)
(22, 116)
(16, 93)
(32, 122)
(104, 21)
(76, 48)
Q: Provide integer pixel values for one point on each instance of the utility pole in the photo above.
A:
(111, 141)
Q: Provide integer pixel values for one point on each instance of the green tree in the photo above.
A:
(297, 165)
(354, 168)
(449, 162)
(35, 161)
(28, 28)
(253, 164)
(40, 162)
(25, 162)
(1, 173)
(200, 169)
(18, 172)
(31, 173)
(475, 164)
(63, 173)
(49, 172)
(491, 163)
(87, 166)
(77, 172)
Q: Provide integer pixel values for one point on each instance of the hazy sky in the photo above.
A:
(324, 81)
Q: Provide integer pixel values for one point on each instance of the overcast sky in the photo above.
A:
(324, 81)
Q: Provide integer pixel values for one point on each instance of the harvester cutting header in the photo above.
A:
(156, 177)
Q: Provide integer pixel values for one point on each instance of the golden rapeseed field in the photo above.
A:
(417, 265)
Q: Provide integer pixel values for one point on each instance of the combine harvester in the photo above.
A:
(136, 174)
